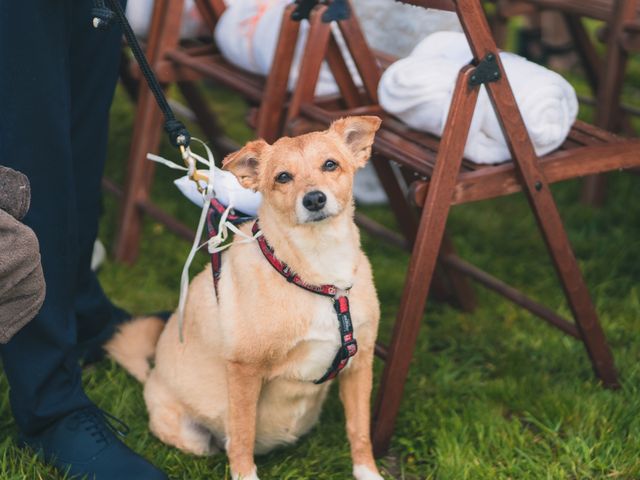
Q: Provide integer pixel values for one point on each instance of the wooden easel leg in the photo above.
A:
(146, 138)
(363, 57)
(541, 201)
(211, 11)
(348, 89)
(550, 224)
(271, 114)
(314, 53)
(423, 261)
(552, 229)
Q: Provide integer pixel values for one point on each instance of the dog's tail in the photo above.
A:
(134, 345)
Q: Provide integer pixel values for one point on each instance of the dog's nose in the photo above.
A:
(314, 201)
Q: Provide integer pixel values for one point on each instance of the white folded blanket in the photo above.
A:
(418, 89)
(247, 36)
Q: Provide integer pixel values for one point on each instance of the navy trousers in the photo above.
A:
(57, 79)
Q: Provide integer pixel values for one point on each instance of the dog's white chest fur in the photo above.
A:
(337, 263)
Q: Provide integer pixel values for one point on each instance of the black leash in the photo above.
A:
(103, 17)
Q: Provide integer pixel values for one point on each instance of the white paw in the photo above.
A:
(252, 476)
(362, 472)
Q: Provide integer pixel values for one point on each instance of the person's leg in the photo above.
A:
(38, 130)
(95, 56)
(94, 60)
(35, 138)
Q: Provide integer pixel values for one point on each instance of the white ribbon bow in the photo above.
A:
(216, 243)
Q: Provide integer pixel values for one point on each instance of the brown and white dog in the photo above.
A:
(244, 375)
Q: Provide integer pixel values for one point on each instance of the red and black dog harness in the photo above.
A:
(349, 346)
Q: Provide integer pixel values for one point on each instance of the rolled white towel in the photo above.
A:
(247, 36)
(419, 88)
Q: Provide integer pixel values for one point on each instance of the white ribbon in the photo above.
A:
(215, 243)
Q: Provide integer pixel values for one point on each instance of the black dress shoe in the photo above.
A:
(85, 444)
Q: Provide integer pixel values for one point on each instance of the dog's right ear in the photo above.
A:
(357, 133)
(245, 163)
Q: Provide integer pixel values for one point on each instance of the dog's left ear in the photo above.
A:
(245, 163)
(357, 133)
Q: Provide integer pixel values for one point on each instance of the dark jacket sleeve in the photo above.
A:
(22, 286)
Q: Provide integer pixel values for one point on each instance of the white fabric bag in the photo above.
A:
(418, 90)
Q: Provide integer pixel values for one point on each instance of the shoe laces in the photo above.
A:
(101, 424)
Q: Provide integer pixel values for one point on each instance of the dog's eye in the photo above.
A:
(284, 177)
(329, 166)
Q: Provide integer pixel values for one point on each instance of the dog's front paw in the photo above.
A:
(249, 476)
(362, 472)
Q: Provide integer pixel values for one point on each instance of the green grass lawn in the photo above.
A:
(494, 394)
